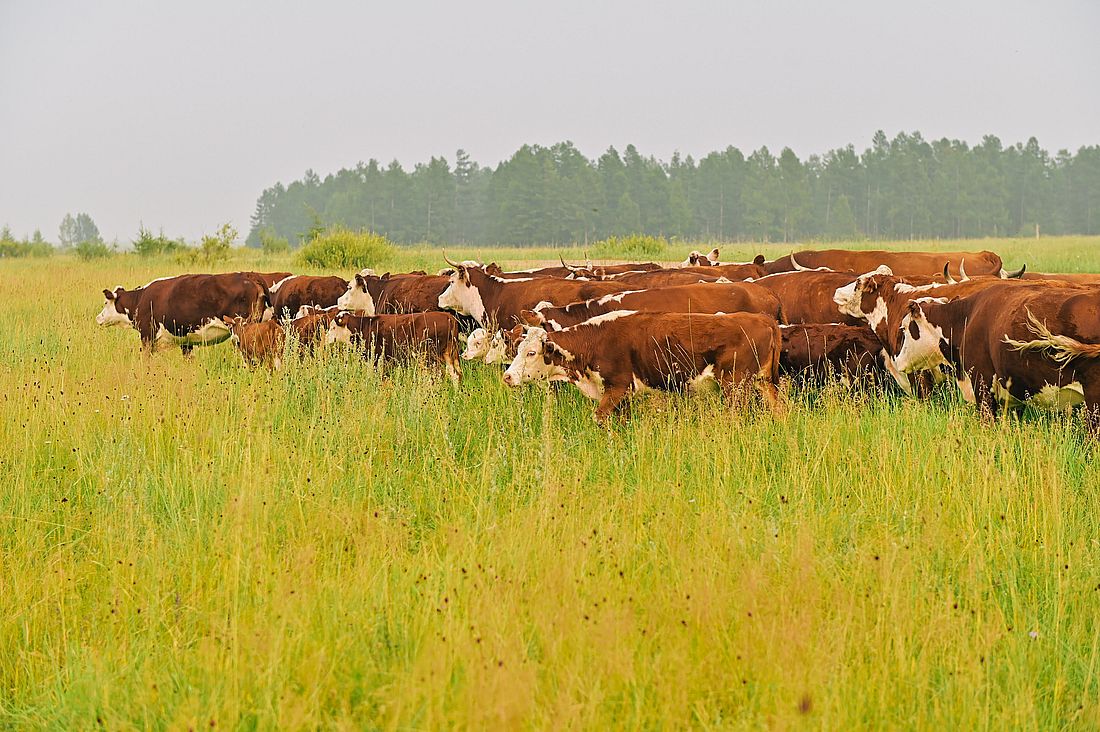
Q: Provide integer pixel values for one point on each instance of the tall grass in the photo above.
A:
(190, 542)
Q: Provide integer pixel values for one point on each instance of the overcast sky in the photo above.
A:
(179, 114)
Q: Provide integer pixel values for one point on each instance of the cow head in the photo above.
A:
(234, 323)
(537, 359)
(115, 311)
(922, 343)
(477, 345)
(698, 259)
(358, 297)
(338, 331)
(532, 317)
(461, 295)
(860, 298)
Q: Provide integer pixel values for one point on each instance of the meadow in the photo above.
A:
(190, 543)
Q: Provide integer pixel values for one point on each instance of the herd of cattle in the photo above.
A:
(884, 318)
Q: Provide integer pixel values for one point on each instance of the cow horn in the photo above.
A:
(798, 267)
(947, 274)
(962, 270)
(569, 267)
(587, 260)
(456, 265)
(1015, 275)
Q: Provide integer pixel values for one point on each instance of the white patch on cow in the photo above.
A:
(966, 386)
(277, 285)
(366, 272)
(1060, 398)
(158, 279)
(552, 325)
(337, 334)
(269, 313)
(618, 297)
(463, 298)
(356, 298)
(923, 352)
(110, 315)
(846, 299)
(477, 345)
(590, 383)
(892, 369)
(877, 316)
(498, 350)
(722, 281)
(697, 383)
(529, 364)
(542, 305)
(608, 317)
(210, 333)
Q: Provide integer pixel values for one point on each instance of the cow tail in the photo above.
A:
(1061, 348)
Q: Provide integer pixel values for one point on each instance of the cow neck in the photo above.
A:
(490, 289)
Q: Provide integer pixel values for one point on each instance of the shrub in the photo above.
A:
(634, 246)
(341, 248)
(11, 247)
(212, 248)
(272, 243)
(93, 249)
(147, 245)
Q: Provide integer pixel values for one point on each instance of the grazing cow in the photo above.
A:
(612, 355)
(259, 343)
(807, 297)
(392, 337)
(186, 310)
(1011, 345)
(819, 351)
(291, 293)
(900, 263)
(710, 297)
(493, 301)
(498, 347)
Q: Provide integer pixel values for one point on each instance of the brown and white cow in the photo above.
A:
(1076, 278)
(493, 301)
(709, 297)
(808, 297)
(698, 259)
(613, 355)
(394, 293)
(393, 337)
(267, 279)
(900, 263)
(1011, 345)
(311, 324)
(817, 352)
(258, 343)
(291, 293)
(186, 310)
(663, 277)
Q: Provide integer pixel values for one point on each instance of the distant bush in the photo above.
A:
(35, 247)
(147, 245)
(272, 243)
(634, 246)
(341, 248)
(213, 247)
(93, 249)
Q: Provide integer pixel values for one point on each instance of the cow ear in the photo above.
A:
(758, 259)
(914, 308)
(550, 348)
(713, 256)
(108, 294)
(385, 276)
(531, 317)
(360, 282)
(516, 331)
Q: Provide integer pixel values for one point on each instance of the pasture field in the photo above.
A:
(188, 543)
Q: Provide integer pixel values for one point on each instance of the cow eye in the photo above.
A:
(530, 353)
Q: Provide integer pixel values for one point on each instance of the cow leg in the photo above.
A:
(612, 396)
(775, 401)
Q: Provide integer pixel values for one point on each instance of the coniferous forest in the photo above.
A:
(907, 187)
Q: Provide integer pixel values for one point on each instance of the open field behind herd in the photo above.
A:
(191, 543)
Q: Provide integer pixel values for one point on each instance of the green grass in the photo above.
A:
(191, 542)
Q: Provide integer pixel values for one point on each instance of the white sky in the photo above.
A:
(178, 114)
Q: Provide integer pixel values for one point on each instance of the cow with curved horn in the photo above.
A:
(947, 274)
(1015, 275)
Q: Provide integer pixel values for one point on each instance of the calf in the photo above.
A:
(393, 337)
(716, 297)
(498, 347)
(819, 351)
(311, 324)
(258, 343)
(1010, 345)
(612, 355)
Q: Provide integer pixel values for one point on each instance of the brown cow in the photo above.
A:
(709, 297)
(291, 293)
(267, 279)
(1076, 278)
(493, 301)
(612, 355)
(900, 263)
(819, 351)
(1010, 345)
(807, 297)
(698, 259)
(186, 310)
(312, 323)
(258, 343)
(663, 278)
(392, 337)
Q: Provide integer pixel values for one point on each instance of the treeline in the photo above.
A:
(902, 188)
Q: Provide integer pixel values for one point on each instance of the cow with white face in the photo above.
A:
(497, 347)
(117, 307)
(358, 297)
(611, 356)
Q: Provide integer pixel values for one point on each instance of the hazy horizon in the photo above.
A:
(179, 116)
